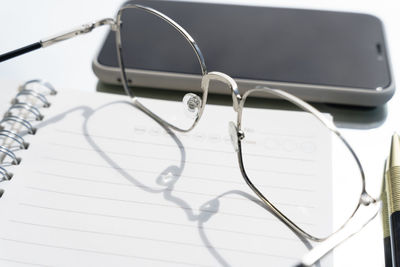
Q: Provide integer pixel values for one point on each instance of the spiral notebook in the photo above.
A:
(102, 184)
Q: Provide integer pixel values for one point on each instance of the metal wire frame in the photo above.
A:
(188, 38)
(238, 103)
(365, 199)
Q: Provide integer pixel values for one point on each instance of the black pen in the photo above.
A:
(393, 198)
(385, 221)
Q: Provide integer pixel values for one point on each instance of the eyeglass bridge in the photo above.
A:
(222, 77)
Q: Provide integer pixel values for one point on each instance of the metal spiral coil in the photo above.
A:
(25, 106)
(21, 112)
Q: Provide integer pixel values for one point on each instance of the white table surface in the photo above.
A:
(68, 66)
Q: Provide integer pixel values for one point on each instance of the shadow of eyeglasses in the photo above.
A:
(205, 213)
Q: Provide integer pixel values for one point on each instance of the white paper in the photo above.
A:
(102, 184)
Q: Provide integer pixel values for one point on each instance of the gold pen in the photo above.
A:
(385, 221)
(393, 197)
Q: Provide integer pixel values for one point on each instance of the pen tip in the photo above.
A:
(394, 156)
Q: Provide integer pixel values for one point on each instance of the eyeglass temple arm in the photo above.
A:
(86, 28)
(352, 228)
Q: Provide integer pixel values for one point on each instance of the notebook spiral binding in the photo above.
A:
(31, 95)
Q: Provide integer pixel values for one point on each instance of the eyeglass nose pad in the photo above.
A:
(234, 135)
(192, 105)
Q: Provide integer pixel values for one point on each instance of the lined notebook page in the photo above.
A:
(102, 184)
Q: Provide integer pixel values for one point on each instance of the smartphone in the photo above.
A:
(320, 56)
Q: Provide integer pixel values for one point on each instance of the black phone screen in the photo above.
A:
(257, 43)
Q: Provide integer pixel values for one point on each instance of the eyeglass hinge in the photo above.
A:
(86, 28)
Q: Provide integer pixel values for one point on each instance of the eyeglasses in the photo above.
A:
(258, 150)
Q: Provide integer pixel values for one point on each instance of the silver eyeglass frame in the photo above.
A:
(365, 199)
(237, 135)
(350, 227)
(188, 38)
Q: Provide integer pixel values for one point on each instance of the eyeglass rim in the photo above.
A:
(364, 199)
(188, 38)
